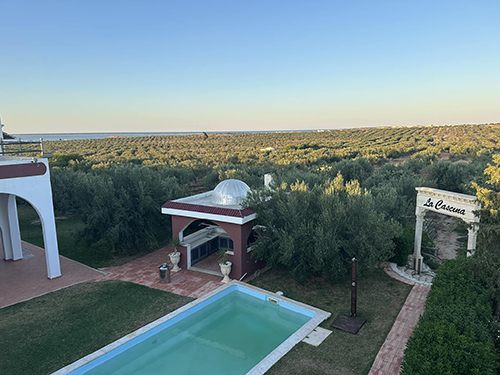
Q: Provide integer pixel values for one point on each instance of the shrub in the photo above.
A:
(437, 347)
(404, 246)
(453, 336)
(120, 206)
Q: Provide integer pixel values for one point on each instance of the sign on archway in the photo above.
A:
(447, 203)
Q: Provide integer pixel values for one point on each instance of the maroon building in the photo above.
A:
(209, 221)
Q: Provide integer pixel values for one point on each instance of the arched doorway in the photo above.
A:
(448, 203)
(202, 238)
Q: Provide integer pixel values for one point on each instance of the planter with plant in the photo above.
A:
(225, 264)
(175, 256)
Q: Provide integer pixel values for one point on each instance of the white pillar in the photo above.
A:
(4, 225)
(50, 244)
(268, 180)
(471, 240)
(45, 208)
(15, 233)
(10, 227)
(417, 255)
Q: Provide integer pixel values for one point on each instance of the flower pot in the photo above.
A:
(175, 258)
(225, 269)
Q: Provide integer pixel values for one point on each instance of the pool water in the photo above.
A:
(228, 335)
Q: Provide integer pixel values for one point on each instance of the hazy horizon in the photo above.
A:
(246, 131)
(194, 66)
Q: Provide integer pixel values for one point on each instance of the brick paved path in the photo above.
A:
(390, 355)
(144, 271)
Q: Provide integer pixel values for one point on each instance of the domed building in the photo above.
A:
(230, 193)
(213, 220)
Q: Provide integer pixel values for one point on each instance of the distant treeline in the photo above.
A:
(117, 185)
(302, 148)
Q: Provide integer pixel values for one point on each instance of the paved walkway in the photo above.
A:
(144, 271)
(27, 278)
(390, 355)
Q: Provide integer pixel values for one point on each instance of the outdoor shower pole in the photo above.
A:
(354, 287)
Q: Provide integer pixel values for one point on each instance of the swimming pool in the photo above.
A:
(236, 329)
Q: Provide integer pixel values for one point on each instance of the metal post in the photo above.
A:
(354, 287)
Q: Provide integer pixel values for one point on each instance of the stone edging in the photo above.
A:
(396, 270)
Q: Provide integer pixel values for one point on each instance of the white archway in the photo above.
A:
(446, 203)
(29, 179)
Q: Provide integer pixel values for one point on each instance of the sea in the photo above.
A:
(72, 136)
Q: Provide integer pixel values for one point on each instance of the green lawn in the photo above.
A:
(46, 333)
(380, 299)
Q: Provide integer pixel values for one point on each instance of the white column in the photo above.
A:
(41, 200)
(268, 180)
(50, 243)
(45, 208)
(471, 240)
(15, 233)
(417, 255)
(4, 225)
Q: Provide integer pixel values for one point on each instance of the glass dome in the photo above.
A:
(230, 193)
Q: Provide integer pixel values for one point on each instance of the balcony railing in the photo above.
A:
(23, 148)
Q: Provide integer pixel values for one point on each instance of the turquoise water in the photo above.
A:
(228, 336)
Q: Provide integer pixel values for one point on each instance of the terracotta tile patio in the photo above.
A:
(145, 271)
(27, 278)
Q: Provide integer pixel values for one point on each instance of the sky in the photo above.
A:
(210, 65)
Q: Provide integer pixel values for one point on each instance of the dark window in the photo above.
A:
(203, 250)
(213, 245)
(223, 242)
(194, 254)
(252, 238)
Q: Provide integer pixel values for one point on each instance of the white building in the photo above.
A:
(27, 178)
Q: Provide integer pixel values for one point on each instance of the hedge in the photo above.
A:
(453, 335)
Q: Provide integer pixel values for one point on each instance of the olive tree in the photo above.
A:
(318, 230)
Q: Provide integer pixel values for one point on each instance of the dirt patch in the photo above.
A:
(446, 156)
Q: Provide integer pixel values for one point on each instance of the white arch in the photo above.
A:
(447, 203)
(36, 190)
(187, 241)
